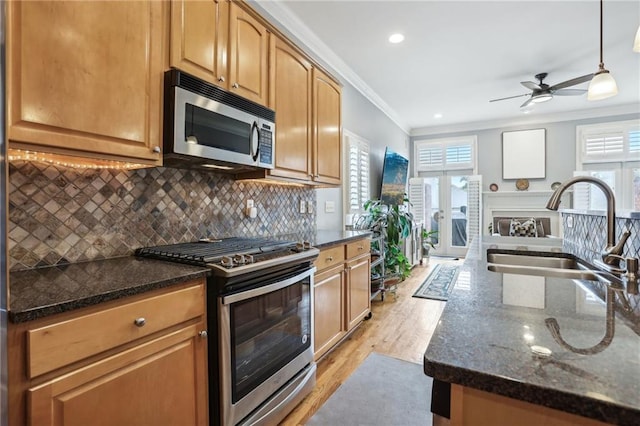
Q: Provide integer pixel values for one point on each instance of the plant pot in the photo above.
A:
(425, 255)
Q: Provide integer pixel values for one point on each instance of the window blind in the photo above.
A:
(445, 154)
(357, 174)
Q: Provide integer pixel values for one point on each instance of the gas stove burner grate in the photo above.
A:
(208, 251)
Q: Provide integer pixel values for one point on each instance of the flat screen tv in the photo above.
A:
(395, 171)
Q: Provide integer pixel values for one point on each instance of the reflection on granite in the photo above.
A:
(36, 293)
(490, 340)
(327, 238)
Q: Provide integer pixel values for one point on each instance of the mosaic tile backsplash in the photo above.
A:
(588, 235)
(62, 215)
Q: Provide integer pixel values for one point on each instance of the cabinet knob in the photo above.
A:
(156, 149)
(235, 85)
(360, 247)
(139, 322)
(329, 259)
(203, 334)
(221, 79)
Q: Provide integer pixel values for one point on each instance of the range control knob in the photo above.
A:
(226, 261)
(239, 259)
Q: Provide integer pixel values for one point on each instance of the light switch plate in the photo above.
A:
(329, 207)
(303, 206)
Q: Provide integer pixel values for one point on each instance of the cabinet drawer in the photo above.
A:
(357, 248)
(329, 257)
(63, 343)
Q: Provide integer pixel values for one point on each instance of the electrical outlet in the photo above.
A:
(310, 207)
(250, 204)
(303, 206)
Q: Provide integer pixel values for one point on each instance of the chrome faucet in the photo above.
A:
(612, 251)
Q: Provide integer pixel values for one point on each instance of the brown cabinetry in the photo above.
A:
(327, 129)
(85, 78)
(137, 361)
(341, 292)
(222, 43)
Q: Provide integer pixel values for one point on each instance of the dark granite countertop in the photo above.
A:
(329, 238)
(493, 326)
(36, 293)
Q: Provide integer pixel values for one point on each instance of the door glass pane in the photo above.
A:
(432, 207)
(598, 201)
(458, 211)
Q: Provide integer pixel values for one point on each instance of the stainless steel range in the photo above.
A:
(260, 323)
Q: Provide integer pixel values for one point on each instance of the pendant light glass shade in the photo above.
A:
(602, 86)
(636, 42)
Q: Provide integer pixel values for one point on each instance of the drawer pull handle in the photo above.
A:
(329, 259)
(203, 334)
(360, 247)
(139, 322)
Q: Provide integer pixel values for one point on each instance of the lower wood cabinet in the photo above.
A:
(342, 292)
(146, 376)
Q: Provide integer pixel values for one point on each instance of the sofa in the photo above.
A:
(522, 226)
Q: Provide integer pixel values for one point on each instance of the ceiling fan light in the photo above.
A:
(636, 42)
(542, 98)
(602, 86)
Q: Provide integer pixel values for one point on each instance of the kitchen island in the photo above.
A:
(493, 345)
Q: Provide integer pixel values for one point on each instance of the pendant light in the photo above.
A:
(636, 43)
(602, 84)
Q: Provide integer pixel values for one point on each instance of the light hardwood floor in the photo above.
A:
(400, 328)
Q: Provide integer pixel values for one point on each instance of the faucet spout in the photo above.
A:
(611, 246)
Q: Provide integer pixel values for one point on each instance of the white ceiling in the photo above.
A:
(457, 55)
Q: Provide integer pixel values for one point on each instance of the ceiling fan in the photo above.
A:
(542, 92)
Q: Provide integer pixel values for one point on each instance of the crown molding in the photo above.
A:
(288, 23)
(583, 114)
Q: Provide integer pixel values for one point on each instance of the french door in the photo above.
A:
(449, 203)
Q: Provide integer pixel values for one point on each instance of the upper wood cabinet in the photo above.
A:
(85, 78)
(222, 43)
(199, 37)
(291, 83)
(248, 55)
(327, 129)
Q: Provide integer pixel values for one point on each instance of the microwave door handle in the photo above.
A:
(255, 148)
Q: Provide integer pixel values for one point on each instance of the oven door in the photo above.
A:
(265, 341)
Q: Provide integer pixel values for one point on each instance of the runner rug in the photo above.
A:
(439, 283)
(383, 391)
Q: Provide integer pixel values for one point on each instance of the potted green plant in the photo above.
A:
(394, 223)
(427, 244)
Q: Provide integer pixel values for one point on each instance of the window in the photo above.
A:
(357, 173)
(611, 152)
(445, 154)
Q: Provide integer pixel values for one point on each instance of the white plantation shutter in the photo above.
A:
(445, 154)
(609, 142)
(603, 147)
(417, 198)
(474, 207)
(357, 182)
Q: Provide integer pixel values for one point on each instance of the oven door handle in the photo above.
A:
(243, 295)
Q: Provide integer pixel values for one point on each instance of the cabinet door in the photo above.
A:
(290, 89)
(161, 382)
(248, 56)
(328, 310)
(358, 290)
(327, 129)
(85, 78)
(199, 32)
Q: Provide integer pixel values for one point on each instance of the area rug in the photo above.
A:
(439, 283)
(383, 391)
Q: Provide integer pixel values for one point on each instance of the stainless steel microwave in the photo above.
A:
(207, 127)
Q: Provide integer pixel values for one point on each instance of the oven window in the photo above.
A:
(267, 332)
(217, 130)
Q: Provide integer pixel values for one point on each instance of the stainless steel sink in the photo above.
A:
(560, 266)
(528, 260)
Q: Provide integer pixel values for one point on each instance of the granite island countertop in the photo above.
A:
(329, 238)
(36, 293)
(493, 325)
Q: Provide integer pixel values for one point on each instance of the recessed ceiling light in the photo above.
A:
(437, 115)
(396, 38)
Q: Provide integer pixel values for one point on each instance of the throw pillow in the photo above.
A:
(524, 229)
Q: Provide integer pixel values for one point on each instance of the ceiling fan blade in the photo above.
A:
(569, 92)
(527, 102)
(571, 82)
(509, 97)
(531, 85)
